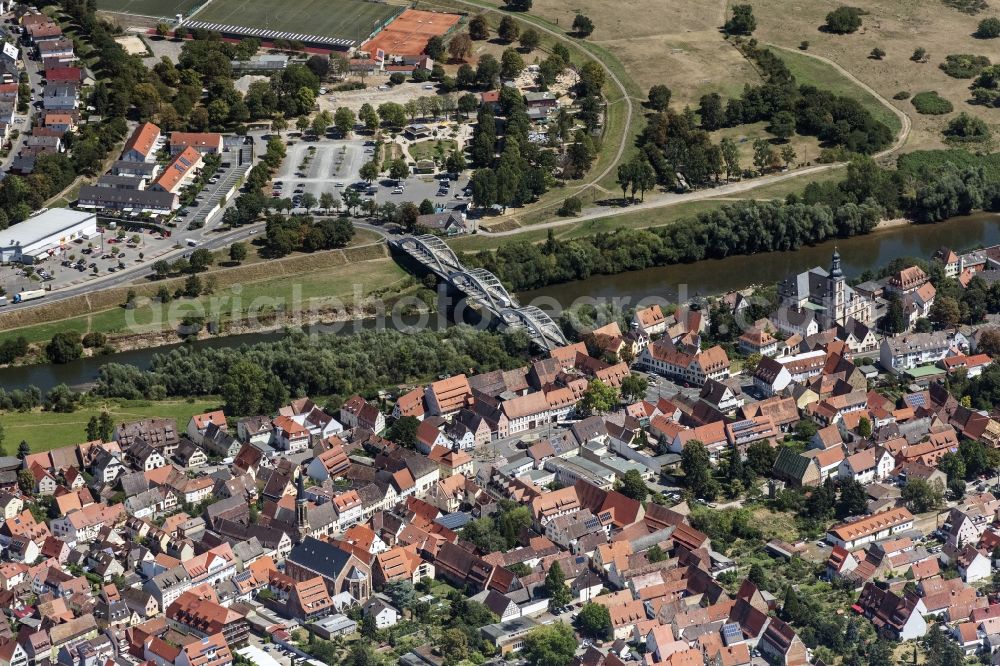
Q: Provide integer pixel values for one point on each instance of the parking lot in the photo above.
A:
(239, 162)
(333, 165)
(83, 261)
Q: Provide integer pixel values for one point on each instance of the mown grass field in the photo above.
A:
(155, 8)
(304, 282)
(48, 430)
(345, 19)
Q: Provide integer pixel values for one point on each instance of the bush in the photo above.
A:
(804, 45)
(64, 347)
(988, 28)
(931, 104)
(967, 128)
(902, 94)
(964, 65)
(919, 54)
(396, 78)
(967, 6)
(95, 339)
(843, 20)
(570, 207)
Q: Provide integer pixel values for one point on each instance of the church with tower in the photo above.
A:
(823, 299)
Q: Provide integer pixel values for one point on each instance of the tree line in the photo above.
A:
(927, 186)
(258, 378)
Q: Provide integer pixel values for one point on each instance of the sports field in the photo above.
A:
(352, 20)
(155, 8)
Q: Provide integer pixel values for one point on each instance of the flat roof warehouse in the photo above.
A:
(44, 234)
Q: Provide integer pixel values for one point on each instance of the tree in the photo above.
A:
(599, 398)
(895, 318)
(919, 54)
(487, 70)
(237, 252)
(582, 25)
(369, 171)
(787, 154)
(529, 40)
(435, 47)
(460, 47)
(511, 64)
(594, 621)
(945, 312)
(634, 387)
(843, 20)
(162, 29)
(243, 390)
(508, 30)
(632, 485)
(64, 347)
(454, 645)
(760, 458)
(92, 429)
(398, 169)
(988, 28)
(742, 22)
(762, 155)
(782, 125)
(328, 202)
(200, 260)
(404, 432)
(864, 427)
(397, 78)
(549, 645)
(713, 116)
(921, 495)
(697, 467)
(321, 123)
(23, 450)
(105, 427)
(853, 499)
(517, 5)
(989, 342)
(555, 587)
(309, 201)
(624, 178)
(368, 116)
(731, 157)
(876, 54)
(344, 120)
(479, 29)
(655, 554)
(659, 97)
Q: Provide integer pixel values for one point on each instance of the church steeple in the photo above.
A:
(301, 506)
(835, 270)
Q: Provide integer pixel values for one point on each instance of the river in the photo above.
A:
(717, 276)
(703, 278)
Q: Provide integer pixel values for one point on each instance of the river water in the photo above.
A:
(701, 278)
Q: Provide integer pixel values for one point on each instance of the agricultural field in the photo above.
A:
(341, 19)
(153, 8)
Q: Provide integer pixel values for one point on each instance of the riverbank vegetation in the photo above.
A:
(258, 378)
(926, 186)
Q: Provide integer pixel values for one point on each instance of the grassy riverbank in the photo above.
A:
(311, 281)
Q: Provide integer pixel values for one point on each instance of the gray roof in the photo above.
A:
(320, 557)
(113, 195)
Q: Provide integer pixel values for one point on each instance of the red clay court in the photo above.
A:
(410, 32)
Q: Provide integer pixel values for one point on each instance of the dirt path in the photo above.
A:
(726, 191)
